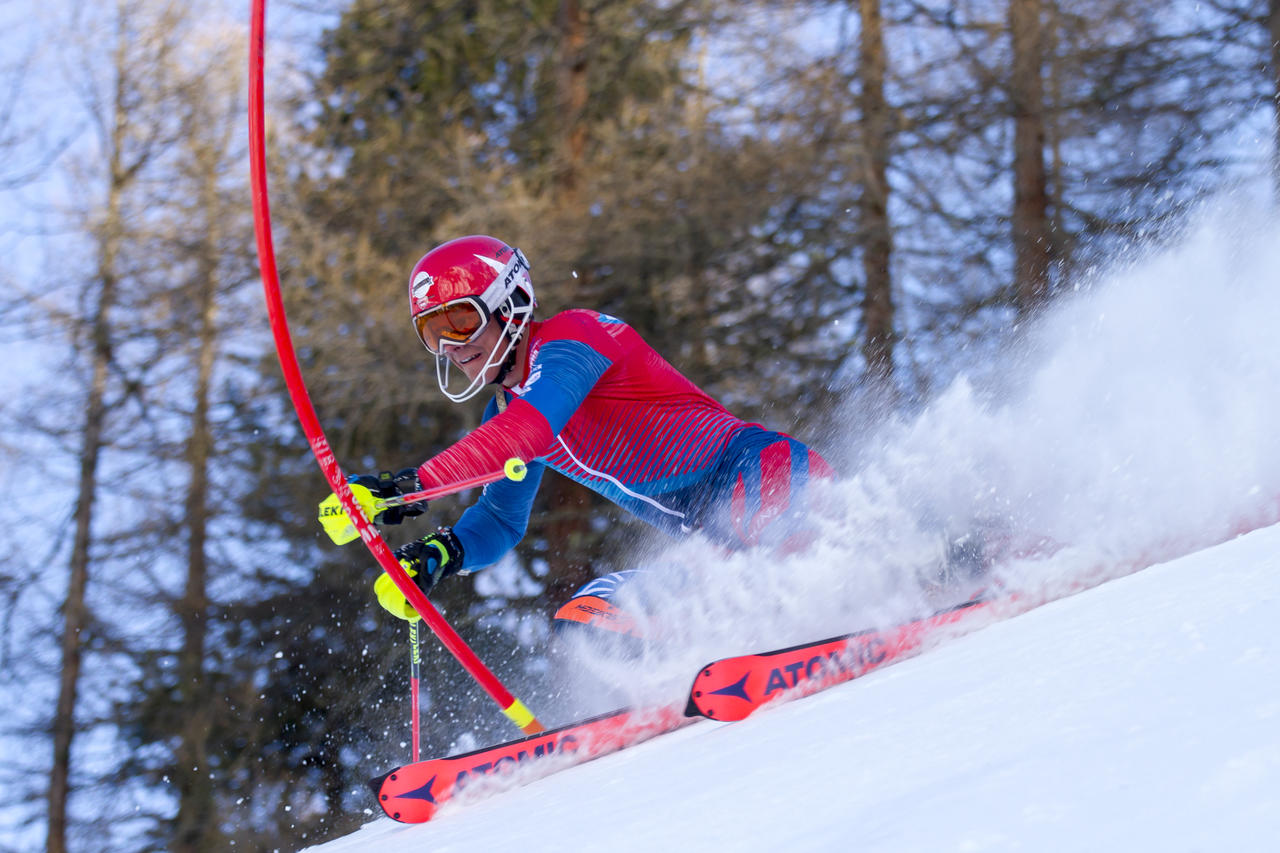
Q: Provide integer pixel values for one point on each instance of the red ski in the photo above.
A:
(732, 688)
(415, 792)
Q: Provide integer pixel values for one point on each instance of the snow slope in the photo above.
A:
(1141, 715)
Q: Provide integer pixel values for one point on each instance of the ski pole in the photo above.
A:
(514, 709)
(512, 469)
(415, 685)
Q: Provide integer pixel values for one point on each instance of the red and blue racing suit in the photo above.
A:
(600, 406)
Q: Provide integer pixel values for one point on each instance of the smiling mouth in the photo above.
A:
(469, 359)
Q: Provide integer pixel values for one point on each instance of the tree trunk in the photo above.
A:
(75, 609)
(1030, 220)
(572, 97)
(195, 822)
(1273, 22)
(877, 302)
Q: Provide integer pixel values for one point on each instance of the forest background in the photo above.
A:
(820, 212)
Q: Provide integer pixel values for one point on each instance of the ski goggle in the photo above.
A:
(456, 322)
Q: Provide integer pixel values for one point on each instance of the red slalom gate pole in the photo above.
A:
(510, 705)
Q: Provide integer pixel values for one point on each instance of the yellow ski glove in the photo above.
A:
(426, 560)
(370, 490)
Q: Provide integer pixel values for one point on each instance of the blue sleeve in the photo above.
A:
(564, 375)
(494, 524)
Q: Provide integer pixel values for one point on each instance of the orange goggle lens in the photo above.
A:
(454, 322)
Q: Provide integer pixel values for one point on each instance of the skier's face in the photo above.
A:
(472, 356)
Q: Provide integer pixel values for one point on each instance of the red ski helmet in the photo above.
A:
(457, 288)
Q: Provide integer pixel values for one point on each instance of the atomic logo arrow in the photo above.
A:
(738, 689)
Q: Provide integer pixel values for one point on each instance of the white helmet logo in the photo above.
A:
(422, 284)
(493, 263)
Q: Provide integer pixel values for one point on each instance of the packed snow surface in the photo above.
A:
(1143, 714)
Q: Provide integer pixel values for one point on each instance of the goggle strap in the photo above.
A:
(495, 294)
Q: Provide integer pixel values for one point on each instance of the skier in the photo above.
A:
(582, 394)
